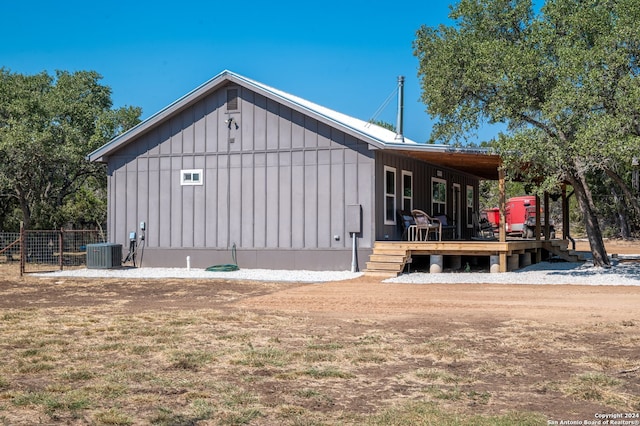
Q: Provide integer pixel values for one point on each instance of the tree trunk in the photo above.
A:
(628, 195)
(26, 210)
(622, 220)
(592, 226)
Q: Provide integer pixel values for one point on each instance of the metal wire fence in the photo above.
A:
(40, 251)
(9, 247)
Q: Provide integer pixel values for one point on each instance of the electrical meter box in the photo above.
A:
(354, 218)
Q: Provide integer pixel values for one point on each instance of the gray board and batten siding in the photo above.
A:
(277, 187)
(236, 163)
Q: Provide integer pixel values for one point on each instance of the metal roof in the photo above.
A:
(475, 161)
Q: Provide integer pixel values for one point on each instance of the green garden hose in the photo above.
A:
(228, 266)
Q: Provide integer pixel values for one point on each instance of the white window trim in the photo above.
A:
(457, 209)
(186, 177)
(405, 197)
(470, 208)
(438, 180)
(387, 195)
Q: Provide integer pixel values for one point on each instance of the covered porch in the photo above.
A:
(500, 252)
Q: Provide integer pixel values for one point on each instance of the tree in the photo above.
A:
(563, 80)
(48, 125)
(383, 124)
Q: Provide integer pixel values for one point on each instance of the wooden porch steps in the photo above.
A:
(560, 248)
(387, 260)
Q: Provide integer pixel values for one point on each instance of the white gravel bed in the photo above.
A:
(622, 273)
(194, 273)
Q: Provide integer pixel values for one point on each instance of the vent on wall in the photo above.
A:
(232, 99)
(104, 256)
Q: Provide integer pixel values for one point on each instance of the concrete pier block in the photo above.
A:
(436, 261)
(525, 259)
(494, 262)
(513, 262)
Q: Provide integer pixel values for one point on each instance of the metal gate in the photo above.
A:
(47, 250)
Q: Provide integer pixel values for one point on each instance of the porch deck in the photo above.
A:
(389, 258)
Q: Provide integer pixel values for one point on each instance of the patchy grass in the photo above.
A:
(227, 366)
(419, 413)
(600, 387)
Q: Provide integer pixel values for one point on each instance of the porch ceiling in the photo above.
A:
(482, 165)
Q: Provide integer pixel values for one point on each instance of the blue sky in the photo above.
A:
(345, 55)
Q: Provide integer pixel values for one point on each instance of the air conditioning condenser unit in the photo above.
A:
(104, 256)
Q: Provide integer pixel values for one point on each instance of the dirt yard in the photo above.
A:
(351, 352)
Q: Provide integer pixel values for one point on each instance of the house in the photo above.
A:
(236, 164)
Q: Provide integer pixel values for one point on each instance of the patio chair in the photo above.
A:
(405, 221)
(448, 227)
(483, 229)
(425, 225)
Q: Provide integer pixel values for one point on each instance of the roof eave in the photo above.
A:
(478, 162)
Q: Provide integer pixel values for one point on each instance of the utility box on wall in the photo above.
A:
(354, 219)
(104, 256)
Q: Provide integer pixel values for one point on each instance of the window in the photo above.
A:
(470, 208)
(407, 190)
(191, 177)
(232, 99)
(438, 197)
(389, 195)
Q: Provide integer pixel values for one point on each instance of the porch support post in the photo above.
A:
(538, 225)
(502, 202)
(502, 237)
(538, 228)
(503, 262)
(565, 213)
(547, 227)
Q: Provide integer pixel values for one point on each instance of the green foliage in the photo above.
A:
(490, 195)
(87, 207)
(563, 80)
(383, 124)
(48, 125)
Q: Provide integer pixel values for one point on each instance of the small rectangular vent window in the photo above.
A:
(191, 177)
(232, 99)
